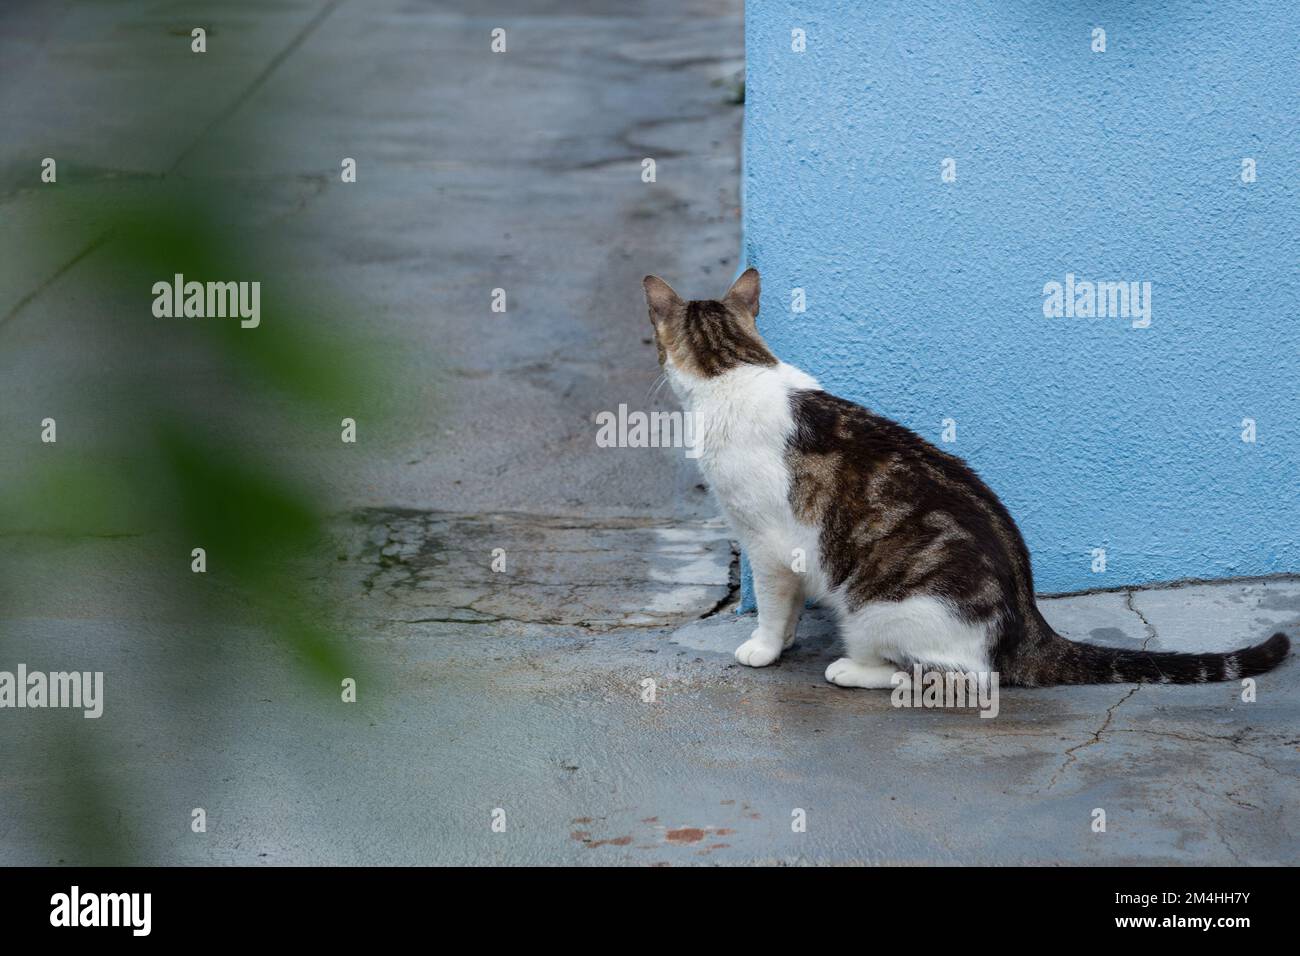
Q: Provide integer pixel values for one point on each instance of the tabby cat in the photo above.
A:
(915, 555)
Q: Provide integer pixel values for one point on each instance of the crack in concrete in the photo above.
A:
(1132, 606)
(733, 585)
(55, 277)
(1238, 801)
(1234, 742)
(632, 572)
(1070, 752)
(1178, 585)
(1214, 829)
(1131, 603)
(230, 110)
(258, 81)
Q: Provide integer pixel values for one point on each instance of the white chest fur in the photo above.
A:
(745, 420)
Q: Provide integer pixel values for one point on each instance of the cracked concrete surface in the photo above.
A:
(512, 568)
(588, 690)
(551, 722)
(1186, 774)
(1094, 739)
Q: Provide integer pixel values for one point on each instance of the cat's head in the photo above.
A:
(705, 338)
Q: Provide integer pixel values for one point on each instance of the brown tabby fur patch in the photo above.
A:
(898, 517)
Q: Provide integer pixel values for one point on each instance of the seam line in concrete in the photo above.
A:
(57, 274)
(259, 80)
(221, 117)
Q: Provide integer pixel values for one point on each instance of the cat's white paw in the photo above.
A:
(847, 672)
(759, 651)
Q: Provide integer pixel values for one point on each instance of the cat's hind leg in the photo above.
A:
(863, 664)
(865, 671)
(880, 634)
(866, 633)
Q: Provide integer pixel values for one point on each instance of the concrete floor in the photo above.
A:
(522, 691)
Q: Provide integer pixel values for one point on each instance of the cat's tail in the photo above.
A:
(1074, 662)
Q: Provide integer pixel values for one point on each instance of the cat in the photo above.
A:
(916, 556)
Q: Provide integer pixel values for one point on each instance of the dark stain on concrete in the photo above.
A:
(1110, 635)
(685, 835)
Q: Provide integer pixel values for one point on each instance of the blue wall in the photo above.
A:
(925, 298)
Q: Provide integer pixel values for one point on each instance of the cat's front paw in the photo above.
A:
(759, 651)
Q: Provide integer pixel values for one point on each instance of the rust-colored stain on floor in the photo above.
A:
(686, 835)
(584, 837)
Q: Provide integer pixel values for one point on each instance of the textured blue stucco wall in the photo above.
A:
(925, 297)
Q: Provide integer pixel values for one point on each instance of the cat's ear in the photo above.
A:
(661, 298)
(743, 293)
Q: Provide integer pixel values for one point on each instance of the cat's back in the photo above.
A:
(869, 445)
(878, 490)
